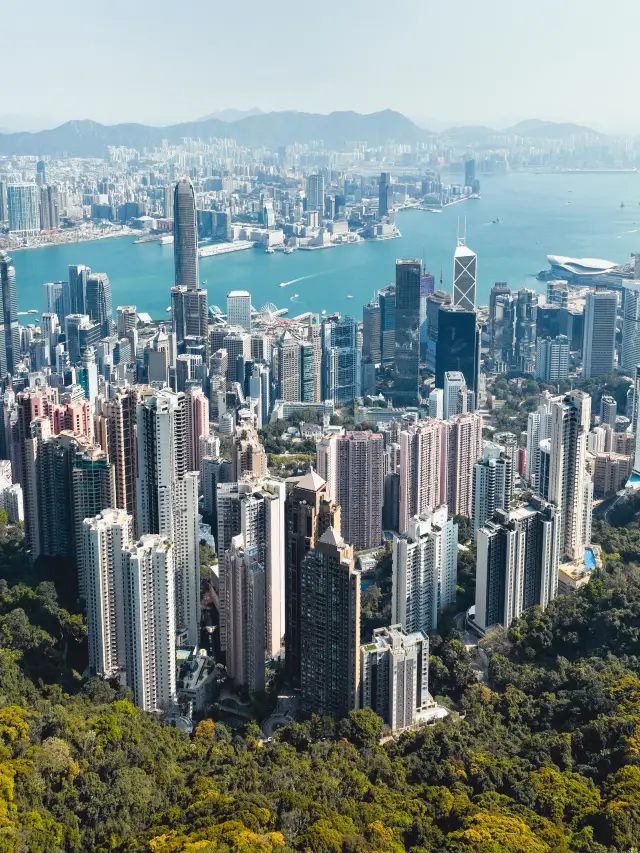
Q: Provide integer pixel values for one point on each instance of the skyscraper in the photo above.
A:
(608, 411)
(49, 209)
(340, 360)
(190, 313)
(385, 195)
(245, 616)
(148, 574)
(239, 309)
(517, 563)
(455, 397)
(197, 424)
(98, 301)
(23, 202)
(330, 627)
(464, 449)
(538, 429)
(552, 359)
(185, 236)
(167, 205)
(103, 539)
(371, 338)
(525, 338)
(423, 480)
(387, 299)
(599, 342)
(78, 276)
(465, 264)
(308, 513)
(406, 361)
(315, 194)
(394, 671)
(458, 346)
(115, 427)
(9, 329)
(127, 319)
(492, 484)
(630, 351)
(359, 487)
(568, 479)
(167, 496)
(424, 570)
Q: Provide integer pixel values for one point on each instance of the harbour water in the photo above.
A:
(564, 214)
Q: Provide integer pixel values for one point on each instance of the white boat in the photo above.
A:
(349, 297)
(288, 250)
(166, 239)
(270, 250)
(32, 311)
(282, 284)
(169, 308)
(295, 296)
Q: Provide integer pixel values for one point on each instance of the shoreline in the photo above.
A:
(91, 239)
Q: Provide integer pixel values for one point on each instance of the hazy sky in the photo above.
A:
(481, 61)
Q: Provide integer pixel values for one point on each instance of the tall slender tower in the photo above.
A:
(465, 265)
(406, 359)
(103, 539)
(9, 331)
(359, 488)
(465, 448)
(150, 621)
(330, 626)
(423, 476)
(308, 513)
(185, 235)
(568, 478)
(167, 496)
(115, 427)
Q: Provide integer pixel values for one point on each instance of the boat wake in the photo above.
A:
(302, 278)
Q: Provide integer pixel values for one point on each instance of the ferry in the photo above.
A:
(349, 297)
(169, 308)
(32, 311)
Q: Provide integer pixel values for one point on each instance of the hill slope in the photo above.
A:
(91, 139)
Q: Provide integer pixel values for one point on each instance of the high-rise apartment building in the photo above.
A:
(255, 509)
(93, 489)
(517, 563)
(424, 570)
(406, 358)
(167, 496)
(115, 428)
(465, 269)
(599, 342)
(394, 672)
(458, 346)
(185, 236)
(330, 627)
(245, 604)
(197, 424)
(455, 398)
(9, 328)
(492, 484)
(538, 429)
(464, 449)
(359, 487)
(552, 359)
(308, 513)
(568, 479)
(49, 209)
(422, 470)
(608, 410)
(239, 309)
(103, 539)
(167, 201)
(127, 319)
(23, 203)
(248, 455)
(149, 617)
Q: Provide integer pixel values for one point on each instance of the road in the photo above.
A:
(282, 716)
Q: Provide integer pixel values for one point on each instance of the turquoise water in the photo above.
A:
(576, 215)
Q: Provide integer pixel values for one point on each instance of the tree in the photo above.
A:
(363, 727)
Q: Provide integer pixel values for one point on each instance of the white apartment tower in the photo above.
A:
(167, 497)
(455, 395)
(570, 421)
(149, 621)
(538, 429)
(424, 570)
(599, 341)
(103, 539)
(492, 484)
(394, 676)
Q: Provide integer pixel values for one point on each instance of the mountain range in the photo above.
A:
(84, 138)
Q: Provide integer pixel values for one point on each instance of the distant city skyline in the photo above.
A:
(451, 61)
